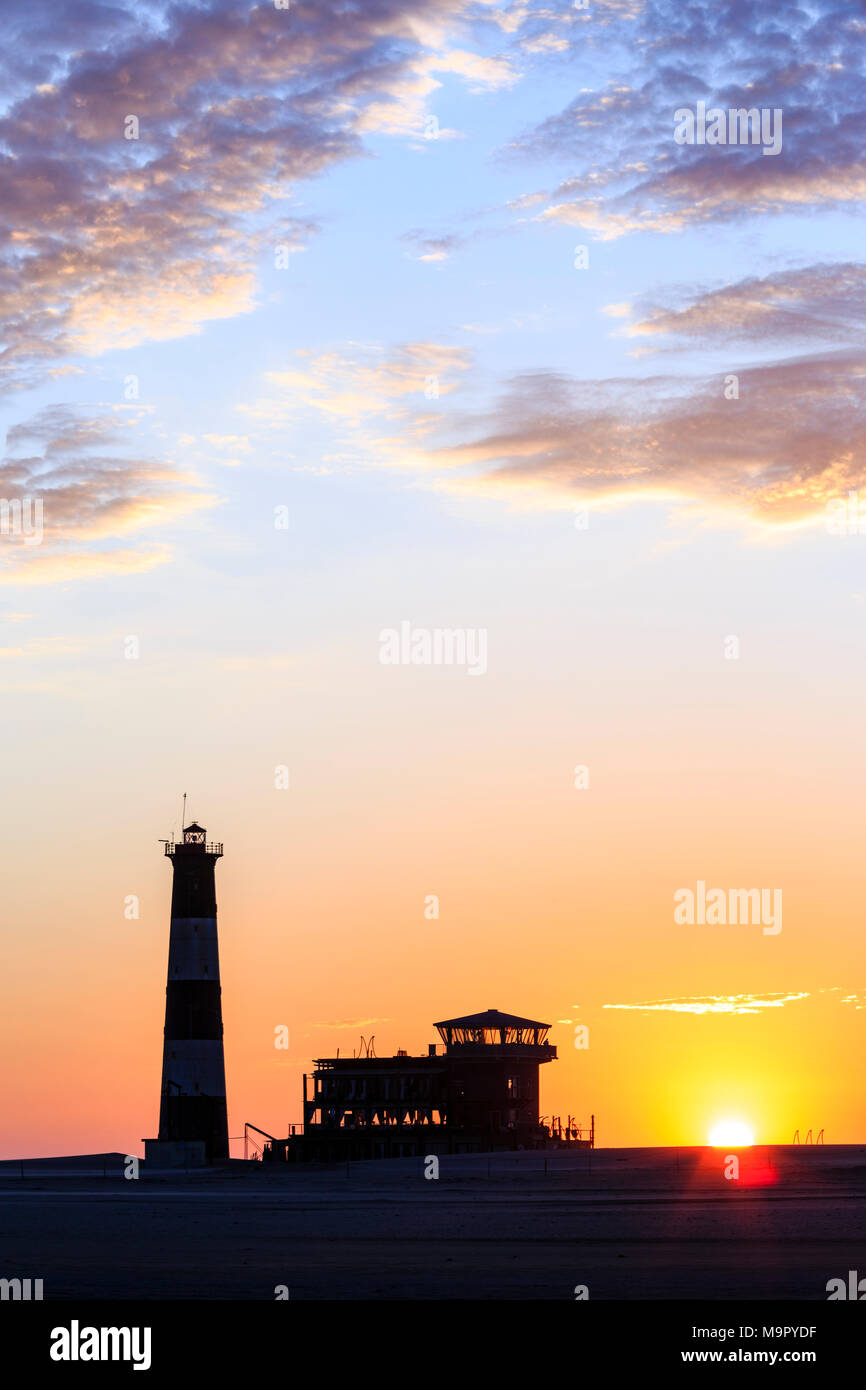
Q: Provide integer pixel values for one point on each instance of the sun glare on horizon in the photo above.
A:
(731, 1134)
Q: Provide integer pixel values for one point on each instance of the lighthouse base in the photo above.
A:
(175, 1153)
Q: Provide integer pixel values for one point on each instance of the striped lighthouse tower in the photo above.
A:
(193, 1096)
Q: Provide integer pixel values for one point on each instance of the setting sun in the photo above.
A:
(731, 1134)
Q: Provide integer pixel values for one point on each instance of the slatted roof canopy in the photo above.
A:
(493, 1029)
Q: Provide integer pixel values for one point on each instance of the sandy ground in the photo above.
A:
(627, 1223)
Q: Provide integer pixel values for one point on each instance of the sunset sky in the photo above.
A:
(338, 278)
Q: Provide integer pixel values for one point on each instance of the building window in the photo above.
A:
(514, 1087)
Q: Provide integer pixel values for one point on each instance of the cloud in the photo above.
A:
(546, 43)
(231, 443)
(433, 248)
(401, 93)
(482, 73)
(714, 1003)
(47, 647)
(772, 443)
(36, 567)
(351, 387)
(617, 311)
(794, 440)
(819, 302)
(237, 442)
(147, 163)
(108, 241)
(90, 494)
(628, 172)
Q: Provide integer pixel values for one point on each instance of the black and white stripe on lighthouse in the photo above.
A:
(193, 1096)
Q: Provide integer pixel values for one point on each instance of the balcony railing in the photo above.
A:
(215, 847)
(541, 1052)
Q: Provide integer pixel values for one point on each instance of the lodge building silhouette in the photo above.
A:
(474, 1091)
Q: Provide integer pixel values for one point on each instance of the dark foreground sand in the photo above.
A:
(628, 1223)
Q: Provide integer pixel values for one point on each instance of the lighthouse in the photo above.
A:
(193, 1122)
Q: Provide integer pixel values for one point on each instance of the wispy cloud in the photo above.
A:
(361, 383)
(92, 493)
(714, 1004)
(432, 248)
(824, 302)
(793, 440)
